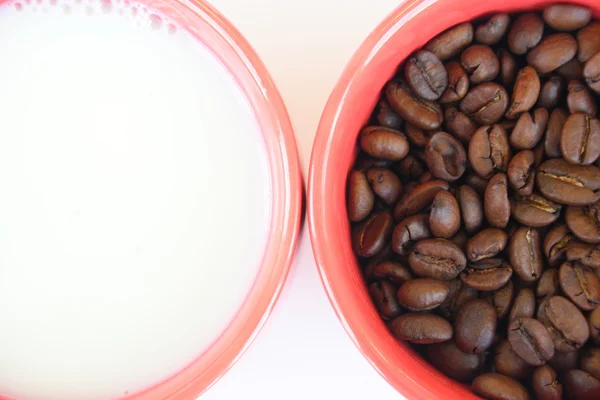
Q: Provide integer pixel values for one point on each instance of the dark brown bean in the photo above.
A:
(422, 113)
(555, 244)
(508, 363)
(476, 182)
(445, 156)
(460, 239)
(486, 276)
(564, 321)
(499, 387)
(525, 254)
(530, 340)
(552, 52)
(365, 162)
(584, 253)
(580, 99)
(454, 362)
(386, 185)
(591, 73)
(437, 258)
(529, 129)
(485, 103)
(384, 143)
(496, 203)
(535, 210)
(567, 183)
(545, 384)
(422, 294)
(417, 136)
(551, 92)
(548, 285)
(557, 120)
(594, 324)
(492, 31)
(369, 236)
(444, 219)
(361, 199)
(564, 361)
(584, 222)
(525, 33)
(388, 270)
(580, 285)
(458, 294)
(538, 153)
(459, 125)
(458, 83)
(383, 294)
(571, 71)
(421, 328)
(521, 172)
(579, 385)
(426, 75)
(480, 62)
(580, 139)
(567, 17)
(410, 231)
(409, 168)
(471, 208)
(475, 326)
(525, 92)
(588, 41)
(486, 244)
(502, 299)
(387, 117)
(524, 305)
(508, 67)
(450, 42)
(590, 362)
(418, 198)
(489, 150)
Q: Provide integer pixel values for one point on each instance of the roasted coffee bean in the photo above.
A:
(492, 31)
(489, 150)
(421, 328)
(525, 33)
(584, 222)
(388, 270)
(445, 156)
(409, 231)
(476, 182)
(524, 305)
(475, 326)
(409, 168)
(588, 41)
(384, 143)
(556, 121)
(555, 244)
(458, 83)
(444, 218)
(580, 285)
(386, 185)
(508, 67)
(499, 387)
(496, 203)
(521, 172)
(458, 293)
(417, 136)
(361, 199)
(426, 75)
(454, 362)
(486, 103)
(564, 361)
(471, 208)
(539, 154)
(552, 52)
(594, 324)
(486, 244)
(422, 113)
(481, 63)
(487, 276)
(590, 362)
(529, 129)
(567, 17)
(580, 385)
(591, 73)
(564, 321)
(545, 384)
(369, 236)
(525, 254)
(417, 199)
(508, 363)
(460, 239)
(459, 125)
(567, 183)
(426, 177)
(422, 294)
(502, 299)
(551, 92)
(365, 162)
(525, 92)
(437, 258)
(580, 99)
(450, 42)
(535, 210)
(384, 297)
(584, 253)
(387, 117)
(530, 340)
(547, 285)
(571, 71)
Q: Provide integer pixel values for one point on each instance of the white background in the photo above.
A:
(303, 352)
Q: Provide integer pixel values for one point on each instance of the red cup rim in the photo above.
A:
(214, 31)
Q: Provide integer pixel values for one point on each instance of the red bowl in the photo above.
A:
(406, 29)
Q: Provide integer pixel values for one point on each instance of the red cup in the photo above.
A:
(406, 29)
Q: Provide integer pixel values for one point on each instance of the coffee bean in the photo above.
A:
(555, 244)
(408, 232)
(499, 387)
(529, 129)
(567, 17)
(580, 385)
(564, 361)
(422, 113)
(525, 33)
(594, 324)
(552, 52)
(458, 293)
(548, 285)
(471, 208)
(567, 183)
(437, 258)
(525, 92)
(584, 222)
(445, 156)
(486, 103)
(545, 384)
(530, 340)
(524, 305)
(426, 75)
(417, 136)
(584, 253)
(588, 41)
(590, 362)
(489, 150)
(486, 244)
(480, 62)
(369, 236)
(580, 99)
(458, 83)
(476, 182)
(386, 185)
(535, 210)
(525, 254)
(426, 177)
(454, 362)
(557, 120)
(422, 294)
(502, 299)
(508, 363)
(459, 125)
(409, 168)
(580, 285)
(492, 31)
(365, 162)
(591, 73)
(521, 172)
(384, 143)
(496, 203)
(450, 42)
(460, 239)
(508, 67)
(564, 321)
(539, 154)
(571, 71)
(388, 118)
(384, 297)
(444, 219)
(487, 276)
(418, 198)
(475, 326)
(421, 328)
(361, 199)
(551, 92)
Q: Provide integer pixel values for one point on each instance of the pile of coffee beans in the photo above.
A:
(475, 204)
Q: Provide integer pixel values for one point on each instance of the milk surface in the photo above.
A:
(134, 199)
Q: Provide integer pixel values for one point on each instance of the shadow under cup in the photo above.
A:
(350, 105)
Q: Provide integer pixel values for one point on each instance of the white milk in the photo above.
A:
(134, 199)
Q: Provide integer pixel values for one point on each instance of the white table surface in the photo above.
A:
(303, 352)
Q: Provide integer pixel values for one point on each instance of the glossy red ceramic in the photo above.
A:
(406, 29)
